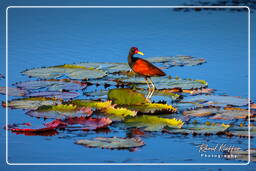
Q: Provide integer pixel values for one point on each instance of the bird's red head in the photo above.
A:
(135, 50)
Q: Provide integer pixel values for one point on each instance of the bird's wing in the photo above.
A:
(143, 67)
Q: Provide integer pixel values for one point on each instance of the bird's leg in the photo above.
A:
(153, 90)
(149, 88)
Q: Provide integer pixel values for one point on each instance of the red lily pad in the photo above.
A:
(82, 123)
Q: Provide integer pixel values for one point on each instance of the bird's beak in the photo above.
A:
(140, 53)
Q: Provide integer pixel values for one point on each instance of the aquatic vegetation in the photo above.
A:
(54, 94)
(13, 91)
(153, 123)
(112, 143)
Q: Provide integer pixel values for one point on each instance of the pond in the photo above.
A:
(54, 37)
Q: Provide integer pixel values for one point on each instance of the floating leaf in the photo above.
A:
(202, 111)
(217, 112)
(32, 103)
(243, 154)
(218, 100)
(242, 131)
(177, 60)
(166, 83)
(51, 85)
(72, 71)
(125, 96)
(112, 143)
(60, 111)
(54, 94)
(199, 129)
(83, 123)
(152, 108)
(153, 123)
(106, 108)
(12, 91)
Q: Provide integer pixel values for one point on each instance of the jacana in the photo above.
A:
(144, 68)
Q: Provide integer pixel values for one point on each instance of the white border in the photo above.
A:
(249, 82)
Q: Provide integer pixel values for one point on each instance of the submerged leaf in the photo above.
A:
(153, 123)
(125, 96)
(112, 143)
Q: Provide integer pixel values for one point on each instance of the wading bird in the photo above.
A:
(144, 68)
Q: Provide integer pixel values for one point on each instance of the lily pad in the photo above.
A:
(243, 154)
(51, 85)
(218, 100)
(71, 71)
(125, 96)
(83, 123)
(177, 60)
(60, 111)
(112, 143)
(214, 128)
(166, 83)
(242, 131)
(152, 108)
(202, 111)
(54, 94)
(153, 123)
(32, 103)
(12, 91)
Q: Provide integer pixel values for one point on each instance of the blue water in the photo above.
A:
(46, 37)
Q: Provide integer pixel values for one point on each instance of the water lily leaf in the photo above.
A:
(115, 113)
(32, 103)
(202, 111)
(199, 91)
(60, 111)
(177, 60)
(51, 85)
(27, 129)
(242, 131)
(243, 154)
(12, 91)
(199, 129)
(54, 94)
(72, 71)
(125, 96)
(218, 100)
(153, 123)
(83, 123)
(112, 143)
(166, 83)
(152, 108)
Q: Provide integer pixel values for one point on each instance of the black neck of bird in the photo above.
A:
(130, 58)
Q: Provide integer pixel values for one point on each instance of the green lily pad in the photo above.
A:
(166, 83)
(51, 85)
(218, 100)
(54, 94)
(177, 60)
(112, 143)
(200, 129)
(125, 96)
(60, 111)
(242, 131)
(32, 103)
(202, 111)
(71, 71)
(153, 123)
